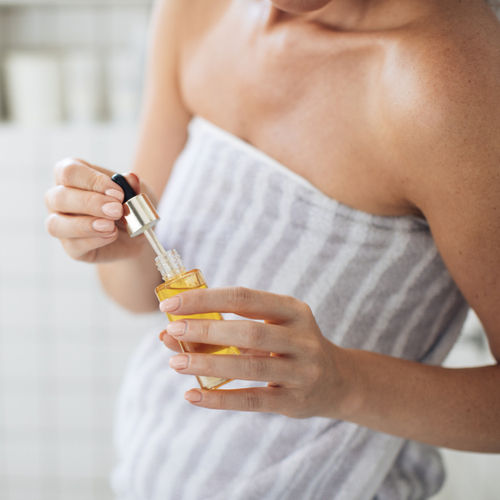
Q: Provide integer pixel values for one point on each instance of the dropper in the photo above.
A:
(139, 214)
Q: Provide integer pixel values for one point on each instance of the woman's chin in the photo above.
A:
(299, 6)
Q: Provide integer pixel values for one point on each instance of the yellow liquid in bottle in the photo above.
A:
(190, 281)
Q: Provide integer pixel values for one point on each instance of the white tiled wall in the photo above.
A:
(63, 344)
(103, 30)
(64, 24)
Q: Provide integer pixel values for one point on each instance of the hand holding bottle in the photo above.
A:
(85, 207)
(307, 375)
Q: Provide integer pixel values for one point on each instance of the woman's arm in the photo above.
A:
(453, 408)
(163, 134)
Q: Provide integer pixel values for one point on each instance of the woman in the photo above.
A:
(360, 255)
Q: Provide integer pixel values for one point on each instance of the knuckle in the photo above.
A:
(222, 399)
(197, 296)
(252, 401)
(239, 296)
(59, 166)
(98, 181)
(48, 198)
(255, 333)
(311, 347)
(303, 343)
(289, 301)
(51, 224)
(88, 203)
(84, 226)
(210, 363)
(303, 308)
(66, 170)
(205, 331)
(314, 374)
(256, 367)
(56, 198)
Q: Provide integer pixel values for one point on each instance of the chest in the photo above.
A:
(303, 95)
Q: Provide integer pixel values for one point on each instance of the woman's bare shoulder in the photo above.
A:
(445, 64)
(440, 88)
(443, 121)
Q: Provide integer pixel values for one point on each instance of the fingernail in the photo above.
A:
(103, 225)
(162, 334)
(135, 176)
(179, 362)
(112, 209)
(170, 304)
(114, 193)
(177, 328)
(193, 396)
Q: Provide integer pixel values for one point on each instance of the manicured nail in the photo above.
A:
(112, 209)
(114, 193)
(177, 328)
(103, 225)
(193, 396)
(170, 304)
(135, 177)
(162, 334)
(178, 362)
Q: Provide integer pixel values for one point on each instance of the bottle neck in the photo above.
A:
(170, 265)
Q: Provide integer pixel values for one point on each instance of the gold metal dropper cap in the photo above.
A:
(139, 214)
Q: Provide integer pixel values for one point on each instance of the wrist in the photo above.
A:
(350, 386)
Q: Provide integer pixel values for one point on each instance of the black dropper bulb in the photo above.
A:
(127, 190)
(139, 214)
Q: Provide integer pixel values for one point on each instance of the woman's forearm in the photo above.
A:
(453, 408)
(131, 282)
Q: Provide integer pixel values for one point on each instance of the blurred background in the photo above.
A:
(71, 79)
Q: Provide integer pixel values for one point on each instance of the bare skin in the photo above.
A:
(390, 107)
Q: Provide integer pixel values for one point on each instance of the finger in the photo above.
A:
(261, 399)
(242, 367)
(244, 334)
(170, 342)
(74, 226)
(75, 201)
(103, 170)
(78, 174)
(254, 304)
(173, 344)
(134, 181)
(78, 248)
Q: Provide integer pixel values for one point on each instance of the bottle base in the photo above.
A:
(211, 383)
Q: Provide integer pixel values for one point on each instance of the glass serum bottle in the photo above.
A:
(139, 216)
(177, 280)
